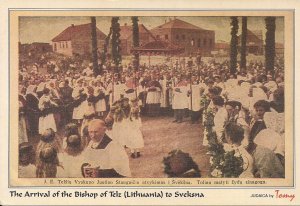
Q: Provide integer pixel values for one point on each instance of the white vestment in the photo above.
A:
(109, 155)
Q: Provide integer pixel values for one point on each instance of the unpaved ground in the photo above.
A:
(161, 136)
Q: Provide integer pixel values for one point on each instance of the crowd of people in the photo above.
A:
(77, 116)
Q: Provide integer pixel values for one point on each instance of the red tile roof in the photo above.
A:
(74, 31)
(254, 38)
(178, 24)
(126, 31)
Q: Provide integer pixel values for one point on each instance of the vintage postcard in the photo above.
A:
(140, 105)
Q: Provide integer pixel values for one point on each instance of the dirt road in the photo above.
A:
(161, 136)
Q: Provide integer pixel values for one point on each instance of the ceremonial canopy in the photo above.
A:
(158, 48)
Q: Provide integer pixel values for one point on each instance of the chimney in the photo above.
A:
(72, 25)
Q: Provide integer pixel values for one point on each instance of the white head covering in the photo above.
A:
(41, 87)
(30, 89)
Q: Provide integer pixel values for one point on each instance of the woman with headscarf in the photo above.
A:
(32, 108)
(22, 123)
(46, 105)
(79, 96)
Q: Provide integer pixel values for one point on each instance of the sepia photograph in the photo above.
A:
(149, 102)
(151, 99)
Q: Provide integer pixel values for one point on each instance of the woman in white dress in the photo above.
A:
(135, 137)
(46, 120)
(118, 115)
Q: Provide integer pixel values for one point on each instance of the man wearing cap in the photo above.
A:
(103, 157)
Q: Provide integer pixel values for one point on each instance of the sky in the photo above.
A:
(43, 29)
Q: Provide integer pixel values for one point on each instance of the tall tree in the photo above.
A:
(115, 41)
(105, 47)
(244, 43)
(94, 46)
(135, 39)
(270, 44)
(233, 44)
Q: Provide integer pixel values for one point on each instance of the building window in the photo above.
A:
(192, 42)
(210, 42)
(204, 42)
(55, 49)
(166, 36)
(177, 37)
(60, 46)
(63, 45)
(66, 44)
(199, 43)
(183, 37)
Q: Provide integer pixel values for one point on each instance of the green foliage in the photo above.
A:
(135, 39)
(233, 44)
(244, 42)
(204, 102)
(223, 164)
(233, 166)
(105, 47)
(94, 46)
(135, 31)
(270, 44)
(115, 41)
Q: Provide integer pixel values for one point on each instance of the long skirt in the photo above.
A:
(100, 106)
(134, 137)
(46, 123)
(22, 130)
